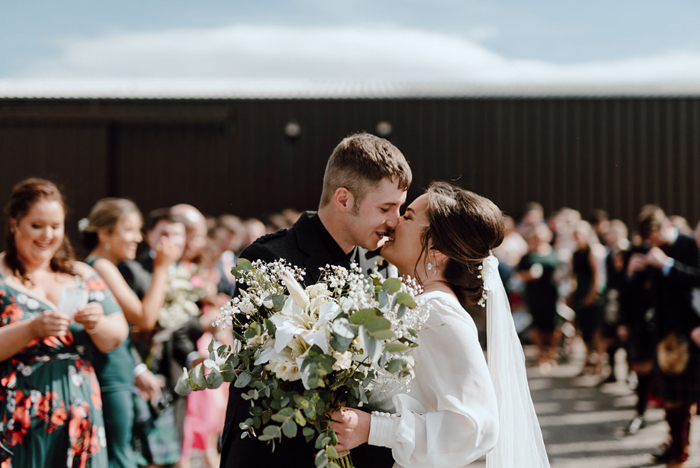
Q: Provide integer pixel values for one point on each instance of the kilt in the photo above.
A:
(683, 388)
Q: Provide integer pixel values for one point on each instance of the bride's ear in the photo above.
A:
(440, 258)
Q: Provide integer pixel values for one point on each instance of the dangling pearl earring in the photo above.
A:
(430, 265)
(108, 246)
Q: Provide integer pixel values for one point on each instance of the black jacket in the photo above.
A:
(306, 245)
(137, 274)
(673, 294)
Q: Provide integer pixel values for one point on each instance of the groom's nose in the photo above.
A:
(392, 219)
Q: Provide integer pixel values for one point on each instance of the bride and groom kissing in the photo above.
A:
(450, 417)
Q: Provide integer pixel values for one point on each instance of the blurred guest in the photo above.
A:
(229, 235)
(514, 246)
(210, 222)
(292, 216)
(636, 330)
(680, 223)
(275, 222)
(674, 259)
(191, 340)
(585, 299)
(617, 244)
(563, 225)
(55, 314)
(112, 235)
(156, 437)
(195, 231)
(600, 222)
(537, 269)
(533, 215)
(254, 230)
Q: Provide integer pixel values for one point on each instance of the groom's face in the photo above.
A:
(377, 214)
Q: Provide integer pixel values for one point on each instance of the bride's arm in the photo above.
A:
(461, 422)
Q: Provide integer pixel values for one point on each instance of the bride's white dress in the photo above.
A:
(449, 418)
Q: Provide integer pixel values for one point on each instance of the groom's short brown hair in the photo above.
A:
(359, 163)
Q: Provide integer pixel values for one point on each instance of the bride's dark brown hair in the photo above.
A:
(464, 227)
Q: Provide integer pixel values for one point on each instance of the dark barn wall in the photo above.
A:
(231, 156)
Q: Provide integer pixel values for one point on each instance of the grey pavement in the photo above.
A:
(583, 422)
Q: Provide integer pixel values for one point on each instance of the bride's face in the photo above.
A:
(404, 248)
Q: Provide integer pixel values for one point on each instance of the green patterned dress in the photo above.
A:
(50, 401)
(115, 372)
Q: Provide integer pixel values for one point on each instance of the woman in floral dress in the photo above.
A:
(50, 402)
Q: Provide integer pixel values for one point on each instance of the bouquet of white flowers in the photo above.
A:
(304, 352)
(181, 298)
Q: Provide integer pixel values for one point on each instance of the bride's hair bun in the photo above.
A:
(464, 227)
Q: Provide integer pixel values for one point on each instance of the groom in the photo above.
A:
(364, 186)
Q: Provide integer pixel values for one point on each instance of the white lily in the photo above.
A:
(327, 312)
(317, 337)
(267, 355)
(285, 331)
(295, 290)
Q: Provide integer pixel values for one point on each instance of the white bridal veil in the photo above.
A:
(520, 443)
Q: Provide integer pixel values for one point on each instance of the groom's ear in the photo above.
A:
(343, 200)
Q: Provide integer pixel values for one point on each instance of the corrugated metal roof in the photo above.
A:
(317, 89)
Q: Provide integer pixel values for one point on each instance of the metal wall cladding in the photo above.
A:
(232, 156)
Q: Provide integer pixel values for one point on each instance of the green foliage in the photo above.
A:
(391, 286)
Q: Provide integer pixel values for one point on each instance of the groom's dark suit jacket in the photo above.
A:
(307, 245)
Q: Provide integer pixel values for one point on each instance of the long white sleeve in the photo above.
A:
(450, 416)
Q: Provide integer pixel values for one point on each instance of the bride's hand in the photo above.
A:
(351, 427)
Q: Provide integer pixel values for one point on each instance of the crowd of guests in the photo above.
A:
(590, 277)
(92, 349)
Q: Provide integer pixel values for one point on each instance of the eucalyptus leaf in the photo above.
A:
(308, 433)
(321, 459)
(299, 418)
(270, 327)
(289, 428)
(383, 299)
(278, 301)
(394, 366)
(243, 379)
(343, 328)
(198, 376)
(402, 311)
(391, 285)
(405, 299)
(331, 451)
(183, 386)
(382, 334)
(396, 347)
(214, 379)
(377, 323)
(244, 265)
(210, 364)
(339, 343)
(361, 316)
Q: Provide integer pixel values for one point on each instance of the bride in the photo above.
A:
(459, 407)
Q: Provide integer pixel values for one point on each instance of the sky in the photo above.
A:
(507, 41)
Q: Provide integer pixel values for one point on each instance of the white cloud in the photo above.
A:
(350, 53)
(483, 33)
